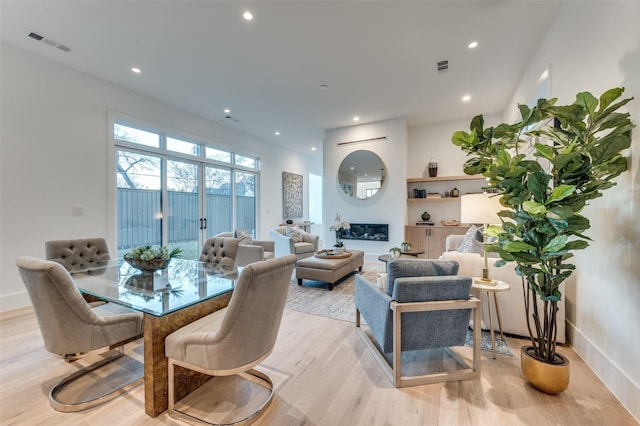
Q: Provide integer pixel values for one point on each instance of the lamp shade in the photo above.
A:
(480, 208)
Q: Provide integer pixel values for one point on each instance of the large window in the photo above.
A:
(178, 192)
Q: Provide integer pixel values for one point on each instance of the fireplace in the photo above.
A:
(366, 232)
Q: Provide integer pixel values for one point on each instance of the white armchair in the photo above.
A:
(511, 303)
(257, 251)
(285, 244)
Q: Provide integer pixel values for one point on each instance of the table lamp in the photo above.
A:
(481, 209)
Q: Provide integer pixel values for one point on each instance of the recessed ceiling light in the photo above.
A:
(136, 70)
(277, 133)
(323, 87)
(351, 168)
(227, 110)
(356, 118)
(473, 44)
(313, 148)
(248, 16)
(466, 98)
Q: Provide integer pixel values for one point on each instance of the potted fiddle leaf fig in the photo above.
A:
(546, 168)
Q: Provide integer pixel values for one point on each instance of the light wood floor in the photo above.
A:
(323, 376)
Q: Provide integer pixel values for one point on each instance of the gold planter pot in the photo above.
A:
(548, 378)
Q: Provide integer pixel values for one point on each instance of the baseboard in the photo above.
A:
(12, 313)
(618, 382)
(14, 301)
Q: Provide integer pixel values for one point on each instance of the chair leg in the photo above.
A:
(251, 375)
(79, 406)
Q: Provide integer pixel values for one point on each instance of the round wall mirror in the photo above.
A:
(361, 174)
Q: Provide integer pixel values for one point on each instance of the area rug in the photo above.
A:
(314, 297)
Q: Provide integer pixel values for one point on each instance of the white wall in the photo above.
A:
(54, 157)
(434, 141)
(389, 204)
(594, 46)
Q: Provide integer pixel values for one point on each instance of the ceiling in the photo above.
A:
(378, 58)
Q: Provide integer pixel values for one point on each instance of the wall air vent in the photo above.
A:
(49, 42)
(443, 66)
(381, 138)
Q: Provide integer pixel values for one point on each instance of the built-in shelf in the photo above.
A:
(445, 178)
(433, 200)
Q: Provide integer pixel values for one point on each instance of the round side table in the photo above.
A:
(491, 290)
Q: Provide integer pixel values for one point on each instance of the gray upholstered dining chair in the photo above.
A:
(70, 326)
(232, 341)
(221, 250)
(78, 253)
(425, 305)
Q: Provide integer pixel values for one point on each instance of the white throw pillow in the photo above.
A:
(243, 236)
(296, 234)
(472, 242)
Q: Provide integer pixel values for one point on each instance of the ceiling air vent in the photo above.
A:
(443, 66)
(49, 42)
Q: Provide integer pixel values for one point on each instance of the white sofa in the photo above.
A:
(511, 303)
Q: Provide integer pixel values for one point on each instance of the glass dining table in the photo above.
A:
(169, 299)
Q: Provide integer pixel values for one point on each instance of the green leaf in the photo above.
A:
(559, 212)
(537, 184)
(544, 151)
(518, 246)
(460, 138)
(556, 244)
(587, 101)
(561, 192)
(477, 124)
(609, 96)
(576, 245)
(533, 208)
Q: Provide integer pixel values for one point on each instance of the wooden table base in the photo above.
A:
(156, 329)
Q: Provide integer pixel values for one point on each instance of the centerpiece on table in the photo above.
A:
(148, 259)
(338, 225)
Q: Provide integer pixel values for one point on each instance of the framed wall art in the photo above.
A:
(291, 195)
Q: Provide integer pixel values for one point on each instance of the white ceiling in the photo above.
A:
(377, 57)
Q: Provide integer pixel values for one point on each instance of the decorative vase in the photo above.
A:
(433, 168)
(426, 216)
(455, 192)
(548, 378)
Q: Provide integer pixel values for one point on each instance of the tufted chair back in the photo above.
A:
(220, 250)
(77, 254)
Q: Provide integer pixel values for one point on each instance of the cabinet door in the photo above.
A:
(417, 237)
(437, 239)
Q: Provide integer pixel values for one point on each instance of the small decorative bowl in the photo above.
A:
(148, 265)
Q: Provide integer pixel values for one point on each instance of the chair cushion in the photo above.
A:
(403, 267)
(304, 247)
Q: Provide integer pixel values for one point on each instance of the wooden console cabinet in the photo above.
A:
(431, 239)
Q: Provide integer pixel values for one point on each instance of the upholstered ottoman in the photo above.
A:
(328, 270)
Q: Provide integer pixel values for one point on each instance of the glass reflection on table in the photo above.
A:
(183, 283)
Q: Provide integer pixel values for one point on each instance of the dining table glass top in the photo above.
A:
(183, 283)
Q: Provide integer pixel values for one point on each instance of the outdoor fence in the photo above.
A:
(139, 220)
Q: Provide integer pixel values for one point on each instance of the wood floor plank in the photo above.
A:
(323, 375)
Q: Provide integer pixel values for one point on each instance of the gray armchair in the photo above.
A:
(77, 254)
(220, 250)
(285, 245)
(232, 341)
(69, 326)
(249, 253)
(425, 306)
